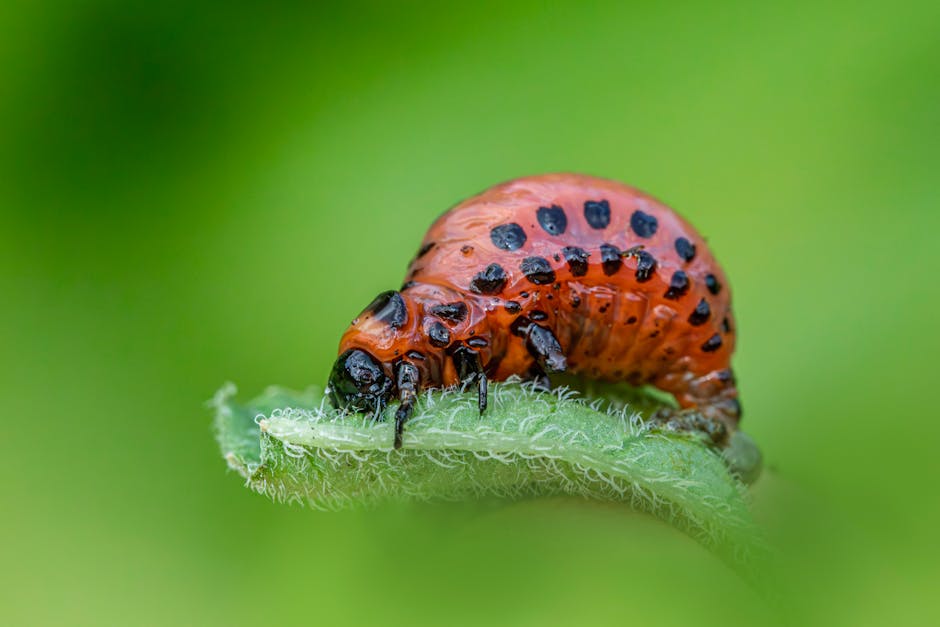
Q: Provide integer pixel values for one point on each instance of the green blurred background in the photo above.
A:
(198, 192)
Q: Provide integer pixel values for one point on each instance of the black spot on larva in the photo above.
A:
(538, 316)
(424, 250)
(538, 270)
(575, 301)
(439, 335)
(725, 325)
(712, 283)
(701, 313)
(491, 280)
(726, 375)
(678, 285)
(611, 259)
(466, 249)
(477, 342)
(712, 344)
(508, 236)
(389, 307)
(577, 260)
(512, 306)
(685, 248)
(451, 312)
(643, 224)
(735, 406)
(552, 219)
(415, 355)
(597, 213)
(645, 266)
(524, 294)
(631, 320)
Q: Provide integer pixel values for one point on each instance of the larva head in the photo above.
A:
(422, 326)
(362, 377)
(358, 382)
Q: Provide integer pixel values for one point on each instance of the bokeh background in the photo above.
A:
(196, 192)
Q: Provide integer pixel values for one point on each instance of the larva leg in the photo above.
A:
(408, 379)
(712, 409)
(709, 404)
(739, 451)
(693, 420)
(538, 378)
(482, 391)
(468, 366)
(544, 346)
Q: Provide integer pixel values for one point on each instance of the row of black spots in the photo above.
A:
(439, 336)
(554, 221)
(597, 215)
(538, 270)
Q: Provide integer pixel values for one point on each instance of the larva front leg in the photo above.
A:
(408, 380)
(468, 366)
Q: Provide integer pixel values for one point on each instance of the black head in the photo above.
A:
(359, 383)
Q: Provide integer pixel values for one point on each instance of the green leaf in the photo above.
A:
(295, 447)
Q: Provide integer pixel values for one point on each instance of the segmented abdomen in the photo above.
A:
(629, 288)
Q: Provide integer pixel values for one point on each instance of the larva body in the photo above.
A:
(548, 274)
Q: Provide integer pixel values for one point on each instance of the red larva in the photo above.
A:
(547, 274)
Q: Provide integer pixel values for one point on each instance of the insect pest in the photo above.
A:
(544, 275)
